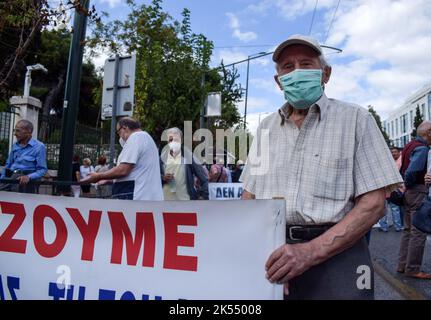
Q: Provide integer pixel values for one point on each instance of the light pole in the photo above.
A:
(250, 57)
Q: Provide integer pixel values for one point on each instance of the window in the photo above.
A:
(411, 120)
(404, 123)
(423, 112)
(396, 127)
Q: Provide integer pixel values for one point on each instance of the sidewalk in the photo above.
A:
(384, 247)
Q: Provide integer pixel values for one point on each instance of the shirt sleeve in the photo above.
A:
(131, 150)
(374, 168)
(418, 163)
(248, 176)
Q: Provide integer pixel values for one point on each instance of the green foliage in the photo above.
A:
(379, 124)
(416, 122)
(3, 105)
(172, 63)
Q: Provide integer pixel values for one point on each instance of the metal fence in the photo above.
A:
(89, 142)
(6, 118)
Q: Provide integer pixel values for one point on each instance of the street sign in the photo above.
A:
(126, 87)
(213, 104)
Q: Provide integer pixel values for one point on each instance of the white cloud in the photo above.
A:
(389, 43)
(112, 3)
(243, 36)
(268, 85)
(255, 105)
(229, 56)
(254, 119)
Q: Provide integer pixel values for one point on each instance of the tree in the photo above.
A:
(172, 75)
(379, 124)
(416, 122)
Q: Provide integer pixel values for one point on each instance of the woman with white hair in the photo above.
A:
(85, 170)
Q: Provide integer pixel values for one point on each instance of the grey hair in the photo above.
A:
(176, 131)
(26, 124)
(323, 61)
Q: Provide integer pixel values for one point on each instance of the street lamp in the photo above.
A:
(250, 57)
(27, 83)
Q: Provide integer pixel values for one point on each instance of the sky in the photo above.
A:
(386, 45)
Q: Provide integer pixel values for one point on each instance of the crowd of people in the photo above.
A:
(329, 162)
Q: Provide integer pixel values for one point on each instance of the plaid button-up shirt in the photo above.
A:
(337, 155)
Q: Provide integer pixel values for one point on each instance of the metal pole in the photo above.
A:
(71, 96)
(246, 94)
(114, 113)
(202, 118)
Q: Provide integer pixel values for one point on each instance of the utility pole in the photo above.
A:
(71, 95)
(202, 115)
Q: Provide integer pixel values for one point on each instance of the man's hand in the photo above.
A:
(23, 180)
(428, 178)
(288, 262)
(168, 177)
(92, 177)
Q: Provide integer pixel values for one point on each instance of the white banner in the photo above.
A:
(225, 191)
(67, 248)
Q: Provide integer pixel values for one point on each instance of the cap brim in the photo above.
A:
(282, 46)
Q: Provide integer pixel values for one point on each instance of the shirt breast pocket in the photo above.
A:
(331, 178)
(28, 160)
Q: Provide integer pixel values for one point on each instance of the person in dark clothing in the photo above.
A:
(238, 171)
(413, 170)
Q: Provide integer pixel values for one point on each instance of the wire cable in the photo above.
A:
(332, 20)
(312, 19)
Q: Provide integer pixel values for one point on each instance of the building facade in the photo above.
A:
(399, 124)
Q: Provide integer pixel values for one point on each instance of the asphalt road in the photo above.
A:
(390, 285)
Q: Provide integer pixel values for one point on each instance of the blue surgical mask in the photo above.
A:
(302, 87)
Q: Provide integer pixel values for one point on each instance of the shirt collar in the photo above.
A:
(31, 143)
(320, 106)
(420, 139)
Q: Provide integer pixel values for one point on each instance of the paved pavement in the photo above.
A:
(389, 284)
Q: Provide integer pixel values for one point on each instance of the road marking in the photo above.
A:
(405, 290)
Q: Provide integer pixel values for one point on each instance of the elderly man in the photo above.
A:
(329, 161)
(414, 168)
(178, 176)
(27, 160)
(137, 172)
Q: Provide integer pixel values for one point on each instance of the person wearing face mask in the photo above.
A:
(137, 172)
(329, 161)
(177, 174)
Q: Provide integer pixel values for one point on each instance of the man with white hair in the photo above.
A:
(329, 161)
(27, 160)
